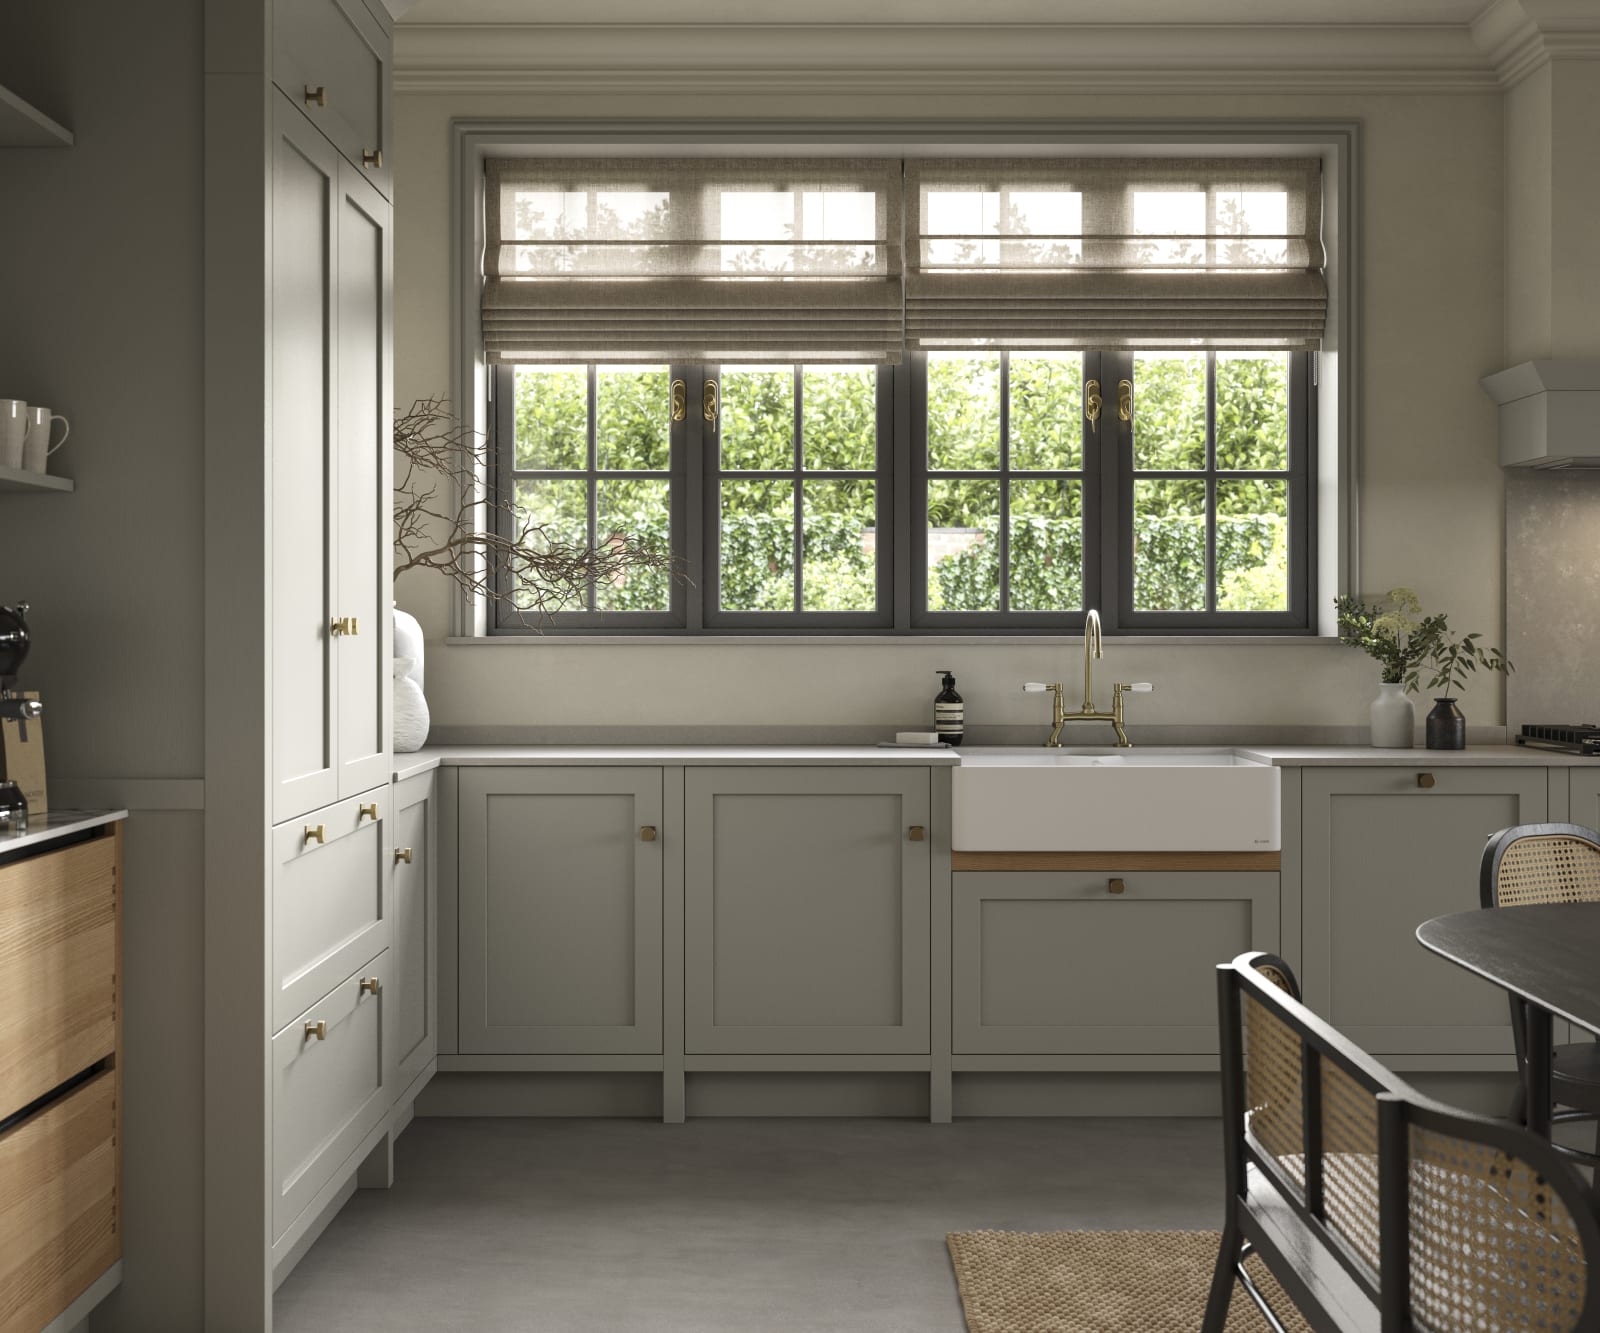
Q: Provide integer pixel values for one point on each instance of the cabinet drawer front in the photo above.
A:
(328, 908)
(327, 1093)
(59, 1226)
(1100, 963)
(335, 45)
(58, 963)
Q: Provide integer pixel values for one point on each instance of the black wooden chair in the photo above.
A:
(1529, 865)
(1377, 1209)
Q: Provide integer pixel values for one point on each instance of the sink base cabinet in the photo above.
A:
(1092, 963)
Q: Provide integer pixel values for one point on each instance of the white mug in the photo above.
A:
(13, 431)
(36, 446)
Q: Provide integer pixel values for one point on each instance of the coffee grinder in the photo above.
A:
(21, 728)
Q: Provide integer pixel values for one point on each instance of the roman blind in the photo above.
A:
(692, 259)
(1115, 252)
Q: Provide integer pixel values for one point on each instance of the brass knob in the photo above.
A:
(340, 626)
(402, 854)
(367, 812)
(917, 833)
(319, 1030)
(1116, 886)
(372, 157)
(371, 985)
(1425, 780)
(647, 833)
(317, 96)
(317, 833)
(352, 627)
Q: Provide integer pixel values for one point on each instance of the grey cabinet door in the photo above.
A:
(331, 58)
(413, 904)
(364, 496)
(559, 904)
(1585, 796)
(807, 910)
(305, 175)
(1100, 962)
(1382, 854)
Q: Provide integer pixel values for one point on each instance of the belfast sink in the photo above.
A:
(1151, 800)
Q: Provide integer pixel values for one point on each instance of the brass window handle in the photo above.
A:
(1115, 886)
(317, 96)
(708, 401)
(367, 812)
(319, 1030)
(317, 833)
(371, 985)
(402, 854)
(1124, 400)
(680, 401)
(647, 833)
(1091, 403)
(917, 833)
(372, 157)
(1425, 780)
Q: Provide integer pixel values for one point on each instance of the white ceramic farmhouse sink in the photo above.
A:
(1141, 800)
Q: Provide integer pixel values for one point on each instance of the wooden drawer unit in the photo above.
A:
(58, 968)
(329, 908)
(329, 57)
(59, 1198)
(330, 1088)
(1100, 962)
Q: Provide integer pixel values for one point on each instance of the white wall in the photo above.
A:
(1431, 494)
(100, 249)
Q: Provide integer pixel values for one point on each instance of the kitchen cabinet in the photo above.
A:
(1584, 795)
(1384, 849)
(330, 643)
(1112, 962)
(559, 901)
(413, 900)
(807, 910)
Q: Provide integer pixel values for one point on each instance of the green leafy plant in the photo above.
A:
(1409, 645)
(1454, 661)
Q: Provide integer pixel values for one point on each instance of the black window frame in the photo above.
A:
(901, 500)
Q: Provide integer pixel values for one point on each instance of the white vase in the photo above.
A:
(410, 705)
(1394, 721)
(408, 641)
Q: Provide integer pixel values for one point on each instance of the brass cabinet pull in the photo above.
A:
(341, 626)
(372, 157)
(402, 854)
(352, 627)
(319, 1030)
(917, 833)
(317, 96)
(371, 985)
(367, 812)
(317, 833)
(680, 401)
(647, 833)
(1425, 780)
(1091, 403)
(1116, 886)
(1124, 400)
(708, 401)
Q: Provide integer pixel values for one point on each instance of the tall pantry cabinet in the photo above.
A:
(300, 1065)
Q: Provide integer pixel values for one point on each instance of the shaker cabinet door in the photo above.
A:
(414, 1004)
(305, 188)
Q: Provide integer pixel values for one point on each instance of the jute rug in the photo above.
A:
(1100, 1282)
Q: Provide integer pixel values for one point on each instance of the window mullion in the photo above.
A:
(1003, 544)
(592, 484)
(1212, 496)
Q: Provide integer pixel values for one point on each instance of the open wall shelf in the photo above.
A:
(16, 479)
(25, 126)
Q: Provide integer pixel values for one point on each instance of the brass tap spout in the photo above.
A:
(1093, 647)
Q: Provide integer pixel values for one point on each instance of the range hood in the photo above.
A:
(1549, 414)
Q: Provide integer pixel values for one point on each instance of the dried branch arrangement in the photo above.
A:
(444, 522)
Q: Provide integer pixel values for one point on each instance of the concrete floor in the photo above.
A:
(751, 1226)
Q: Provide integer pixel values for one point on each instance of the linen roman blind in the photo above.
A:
(693, 259)
(1115, 252)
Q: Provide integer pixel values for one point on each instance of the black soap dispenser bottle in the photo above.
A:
(949, 713)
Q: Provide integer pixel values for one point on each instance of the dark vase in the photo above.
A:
(1447, 727)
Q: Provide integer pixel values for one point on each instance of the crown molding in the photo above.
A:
(1521, 36)
(959, 59)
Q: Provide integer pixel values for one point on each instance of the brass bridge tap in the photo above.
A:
(1093, 647)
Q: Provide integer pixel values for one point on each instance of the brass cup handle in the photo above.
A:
(647, 833)
(317, 1030)
(917, 833)
(317, 833)
(371, 985)
(1425, 780)
(367, 812)
(317, 96)
(402, 854)
(372, 157)
(1116, 886)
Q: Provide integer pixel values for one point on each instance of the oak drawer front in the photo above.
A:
(58, 964)
(1100, 963)
(337, 47)
(328, 1090)
(328, 901)
(59, 1226)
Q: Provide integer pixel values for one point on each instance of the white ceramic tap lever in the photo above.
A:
(1035, 687)
(1140, 687)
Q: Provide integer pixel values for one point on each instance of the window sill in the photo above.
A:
(887, 640)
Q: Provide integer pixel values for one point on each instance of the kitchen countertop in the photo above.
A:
(1280, 756)
(54, 825)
